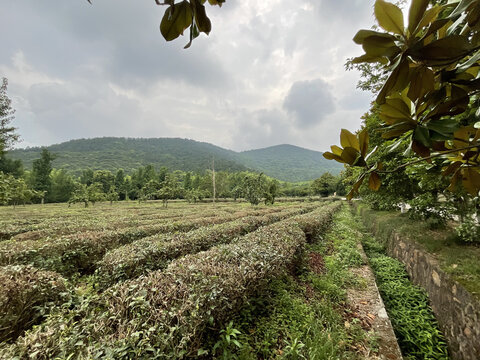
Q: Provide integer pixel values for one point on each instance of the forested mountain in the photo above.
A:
(290, 163)
(284, 162)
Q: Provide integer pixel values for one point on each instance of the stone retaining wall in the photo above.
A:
(457, 311)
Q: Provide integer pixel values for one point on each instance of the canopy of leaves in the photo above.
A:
(432, 66)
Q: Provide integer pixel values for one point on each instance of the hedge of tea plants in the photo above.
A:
(165, 313)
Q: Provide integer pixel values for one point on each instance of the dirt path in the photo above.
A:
(367, 306)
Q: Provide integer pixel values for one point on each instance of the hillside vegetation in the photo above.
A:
(284, 162)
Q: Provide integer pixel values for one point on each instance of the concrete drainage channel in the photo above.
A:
(455, 309)
(368, 304)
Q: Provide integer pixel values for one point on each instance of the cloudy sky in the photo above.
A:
(271, 72)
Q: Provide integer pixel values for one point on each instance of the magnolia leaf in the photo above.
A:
(443, 51)
(422, 135)
(390, 84)
(355, 187)
(477, 125)
(336, 150)
(376, 46)
(429, 17)
(374, 181)
(363, 140)
(462, 6)
(471, 180)
(389, 17)
(398, 129)
(416, 13)
(369, 59)
(422, 82)
(330, 156)
(421, 150)
(216, 2)
(396, 108)
(348, 139)
(350, 155)
(452, 168)
(201, 19)
(361, 35)
(175, 20)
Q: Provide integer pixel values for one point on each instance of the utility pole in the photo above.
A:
(213, 179)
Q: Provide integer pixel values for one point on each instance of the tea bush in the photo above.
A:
(165, 313)
(26, 295)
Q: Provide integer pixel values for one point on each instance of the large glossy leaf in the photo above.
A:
(398, 129)
(422, 135)
(443, 51)
(452, 168)
(201, 19)
(363, 34)
(393, 79)
(175, 20)
(471, 180)
(330, 156)
(422, 82)
(336, 150)
(347, 139)
(416, 13)
(429, 17)
(389, 17)
(369, 59)
(350, 155)
(421, 150)
(363, 140)
(375, 46)
(374, 181)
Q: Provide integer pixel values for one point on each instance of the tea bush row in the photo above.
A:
(79, 253)
(155, 252)
(26, 295)
(165, 314)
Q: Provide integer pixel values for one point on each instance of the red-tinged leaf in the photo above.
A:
(421, 150)
(452, 168)
(374, 181)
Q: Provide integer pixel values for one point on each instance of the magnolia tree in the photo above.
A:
(430, 96)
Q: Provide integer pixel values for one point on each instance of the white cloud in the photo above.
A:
(77, 70)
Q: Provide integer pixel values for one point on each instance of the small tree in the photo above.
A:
(271, 191)
(325, 185)
(112, 195)
(253, 187)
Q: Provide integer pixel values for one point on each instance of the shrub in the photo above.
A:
(26, 295)
(165, 313)
(468, 231)
(78, 253)
(155, 252)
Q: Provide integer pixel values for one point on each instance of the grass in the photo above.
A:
(458, 259)
(304, 314)
(407, 305)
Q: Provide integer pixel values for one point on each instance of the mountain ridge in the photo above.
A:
(284, 161)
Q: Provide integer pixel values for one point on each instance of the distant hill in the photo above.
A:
(284, 162)
(290, 162)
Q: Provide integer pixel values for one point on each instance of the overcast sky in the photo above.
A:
(271, 72)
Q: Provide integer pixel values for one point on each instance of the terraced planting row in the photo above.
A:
(54, 225)
(78, 253)
(166, 312)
